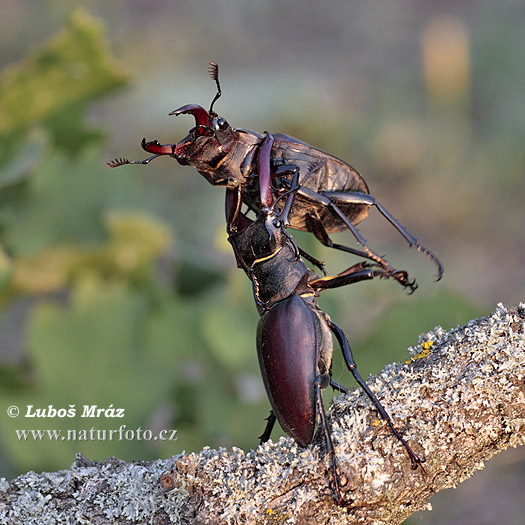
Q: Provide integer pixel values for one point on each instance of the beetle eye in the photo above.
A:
(220, 123)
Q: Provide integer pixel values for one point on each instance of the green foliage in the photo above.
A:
(64, 201)
(54, 84)
(88, 353)
(5, 270)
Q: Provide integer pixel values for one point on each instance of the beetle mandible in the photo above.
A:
(332, 196)
(294, 336)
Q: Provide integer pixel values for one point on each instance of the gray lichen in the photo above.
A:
(458, 400)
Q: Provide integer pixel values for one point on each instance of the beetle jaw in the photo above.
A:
(202, 117)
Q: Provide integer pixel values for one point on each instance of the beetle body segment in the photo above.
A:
(320, 172)
(270, 261)
(294, 347)
(222, 161)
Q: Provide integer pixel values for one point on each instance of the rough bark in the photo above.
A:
(457, 403)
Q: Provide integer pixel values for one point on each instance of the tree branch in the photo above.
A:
(457, 406)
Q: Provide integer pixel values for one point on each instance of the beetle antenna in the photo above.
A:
(213, 71)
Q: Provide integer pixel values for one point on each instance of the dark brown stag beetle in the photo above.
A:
(294, 336)
(332, 195)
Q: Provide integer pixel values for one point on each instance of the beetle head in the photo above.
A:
(211, 139)
(206, 144)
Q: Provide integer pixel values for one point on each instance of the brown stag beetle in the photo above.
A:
(294, 336)
(332, 195)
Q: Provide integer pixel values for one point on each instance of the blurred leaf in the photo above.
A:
(135, 242)
(193, 278)
(26, 158)
(48, 271)
(6, 270)
(91, 352)
(229, 330)
(64, 203)
(56, 82)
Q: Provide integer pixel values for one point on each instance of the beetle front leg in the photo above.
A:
(235, 220)
(263, 170)
(311, 259)
(351, 365)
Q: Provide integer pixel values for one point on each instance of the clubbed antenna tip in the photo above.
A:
(213, 71)
(117, 162)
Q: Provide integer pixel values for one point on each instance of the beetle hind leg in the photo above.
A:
(412, 241)
(321, 382)
(368, 200)
(316, 226)
(351, 365)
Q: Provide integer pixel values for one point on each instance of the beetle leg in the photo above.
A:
(263, 169)
(316, 262)
(290, 194)
(350, 363)
(369, 200)
(354, 274)
(402, 278)
(315, 225)
(281, 222)
(338, 387)
(321, 198)
(271, 419)
(361, 272)
(284, 216)
(235, 220)
(319, 383)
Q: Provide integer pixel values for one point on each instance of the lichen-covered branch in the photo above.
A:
(458, 401)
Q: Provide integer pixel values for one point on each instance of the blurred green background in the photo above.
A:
(118, 287)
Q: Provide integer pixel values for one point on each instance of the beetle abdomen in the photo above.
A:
(287, 346)
(319, 172)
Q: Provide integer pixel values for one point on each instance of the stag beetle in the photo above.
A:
(294, 336)
(332, 195)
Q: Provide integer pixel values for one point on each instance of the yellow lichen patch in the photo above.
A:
(426, 345)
